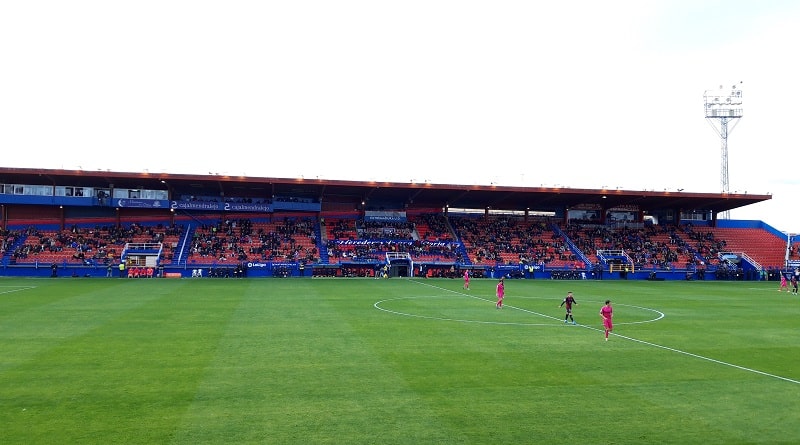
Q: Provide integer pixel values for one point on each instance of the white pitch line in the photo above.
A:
(701, 357)
(666, 348)
(15, 289)
(378, 306)
(660, 314)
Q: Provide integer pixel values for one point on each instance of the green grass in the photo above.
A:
(398, 361)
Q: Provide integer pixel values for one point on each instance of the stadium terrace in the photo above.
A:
(105, 224)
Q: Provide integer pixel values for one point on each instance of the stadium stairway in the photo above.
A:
(322, 240)
(9, 253)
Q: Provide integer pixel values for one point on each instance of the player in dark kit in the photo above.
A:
(569, 301)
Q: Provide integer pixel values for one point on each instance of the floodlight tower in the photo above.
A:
(723, 108)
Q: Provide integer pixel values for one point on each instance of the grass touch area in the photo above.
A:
(398, 361)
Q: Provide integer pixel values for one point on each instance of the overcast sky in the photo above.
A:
(576, 93)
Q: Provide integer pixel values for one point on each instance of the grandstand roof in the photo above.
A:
(420, 195)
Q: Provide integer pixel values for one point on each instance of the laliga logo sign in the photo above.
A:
(256, 265)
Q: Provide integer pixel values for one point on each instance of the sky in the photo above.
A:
(574, 93)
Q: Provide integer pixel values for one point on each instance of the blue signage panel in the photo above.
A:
(139, 203)
(221, 206)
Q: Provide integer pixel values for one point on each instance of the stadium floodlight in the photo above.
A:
(723, 107)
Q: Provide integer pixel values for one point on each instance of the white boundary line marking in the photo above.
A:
(16, 289)
(462, 294)
(377, 305)
(709, 359)
(666, 348)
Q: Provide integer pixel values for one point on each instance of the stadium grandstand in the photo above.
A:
(150, 225)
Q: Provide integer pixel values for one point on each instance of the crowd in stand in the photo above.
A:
(376, 250)
(436, 227)
(492, 240)
(392, 230)
(343, 229)
(237, 240)
(222, 241)
(706, 245)
(455, 239)
(7, 239)
(644, 244)
(98, 244)
(794, 250)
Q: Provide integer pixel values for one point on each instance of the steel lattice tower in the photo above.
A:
(721, 109)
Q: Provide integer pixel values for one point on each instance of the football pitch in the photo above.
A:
(396, 361)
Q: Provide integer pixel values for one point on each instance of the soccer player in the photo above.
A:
(569, 301)
(501, 292)
(793, 280)
(606, 314)
(784, 285)
(466, 279)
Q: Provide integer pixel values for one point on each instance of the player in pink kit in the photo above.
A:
(466, 279)
(784, 285)
(501, 293)
(606, 314)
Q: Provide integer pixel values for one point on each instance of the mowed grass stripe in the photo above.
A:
(293, 368)
(48, 312)
(128, 370)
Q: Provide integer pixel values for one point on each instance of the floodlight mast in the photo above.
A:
(724, 109)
